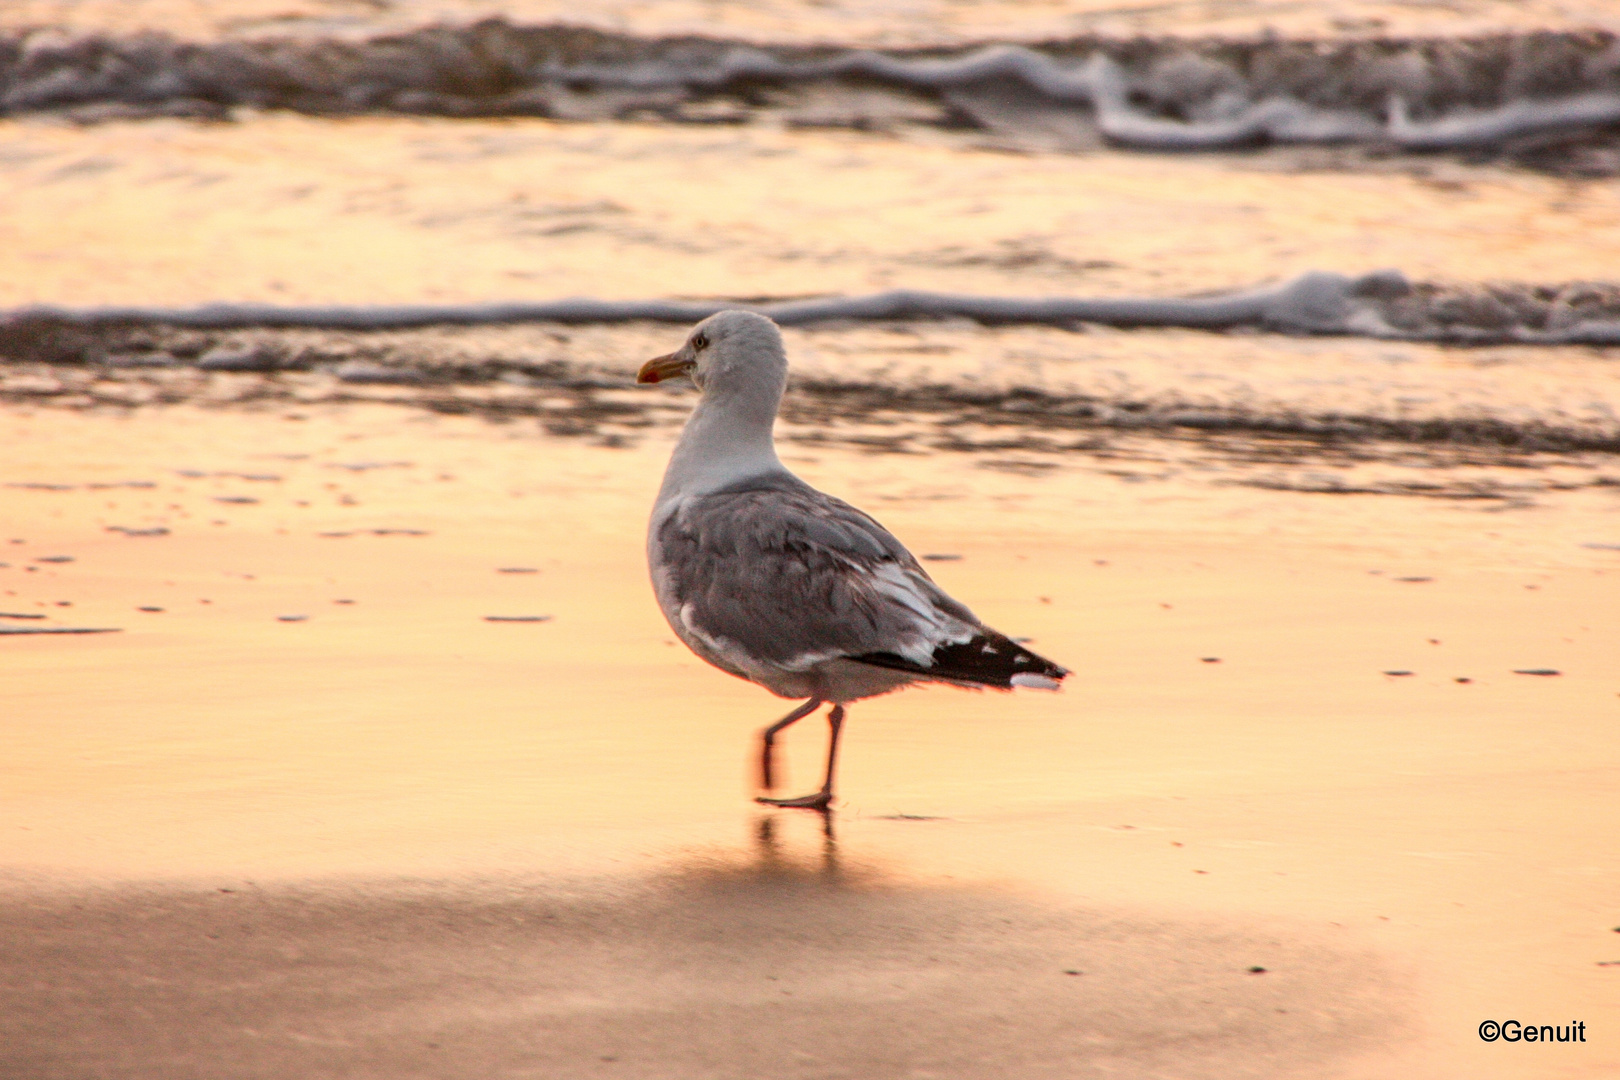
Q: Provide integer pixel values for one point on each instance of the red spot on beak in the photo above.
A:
(659, 368)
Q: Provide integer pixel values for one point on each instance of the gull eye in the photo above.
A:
(700, 342)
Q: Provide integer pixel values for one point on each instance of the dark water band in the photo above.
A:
(1480, 93)
(1383, 304)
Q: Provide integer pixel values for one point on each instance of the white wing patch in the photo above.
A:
(932, 628)
(692, 627)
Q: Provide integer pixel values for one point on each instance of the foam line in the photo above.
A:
(1382, 304)
(1102, 84)
(1312, 303)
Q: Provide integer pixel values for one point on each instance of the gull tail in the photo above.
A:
(990, 659)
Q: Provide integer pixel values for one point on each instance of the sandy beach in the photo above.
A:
(391, 835)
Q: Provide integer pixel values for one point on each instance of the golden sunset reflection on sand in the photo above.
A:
(1452, 834)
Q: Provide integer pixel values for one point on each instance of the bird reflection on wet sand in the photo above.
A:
(769, 847)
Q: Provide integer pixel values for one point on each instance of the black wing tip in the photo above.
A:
(989, 659)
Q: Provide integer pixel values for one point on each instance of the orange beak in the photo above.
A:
(663, 367)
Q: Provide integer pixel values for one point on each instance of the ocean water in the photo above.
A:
(403, 197)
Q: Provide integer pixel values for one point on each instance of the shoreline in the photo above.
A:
(910, 387)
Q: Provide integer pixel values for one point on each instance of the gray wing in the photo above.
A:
(790, 576)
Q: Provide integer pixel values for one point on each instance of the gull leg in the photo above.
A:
(767, 740)
(822, 799)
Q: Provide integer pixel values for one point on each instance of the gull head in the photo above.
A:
(730, 350)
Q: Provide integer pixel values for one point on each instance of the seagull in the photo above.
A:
(775, 582)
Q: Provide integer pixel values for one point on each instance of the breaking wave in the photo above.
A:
(1381, 305)
(899, 381)
(1550, 100)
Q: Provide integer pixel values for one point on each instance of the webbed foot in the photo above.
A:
(820, 801)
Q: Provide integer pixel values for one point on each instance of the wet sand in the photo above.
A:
(396, 839)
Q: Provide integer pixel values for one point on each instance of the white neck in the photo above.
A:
(719, 446)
